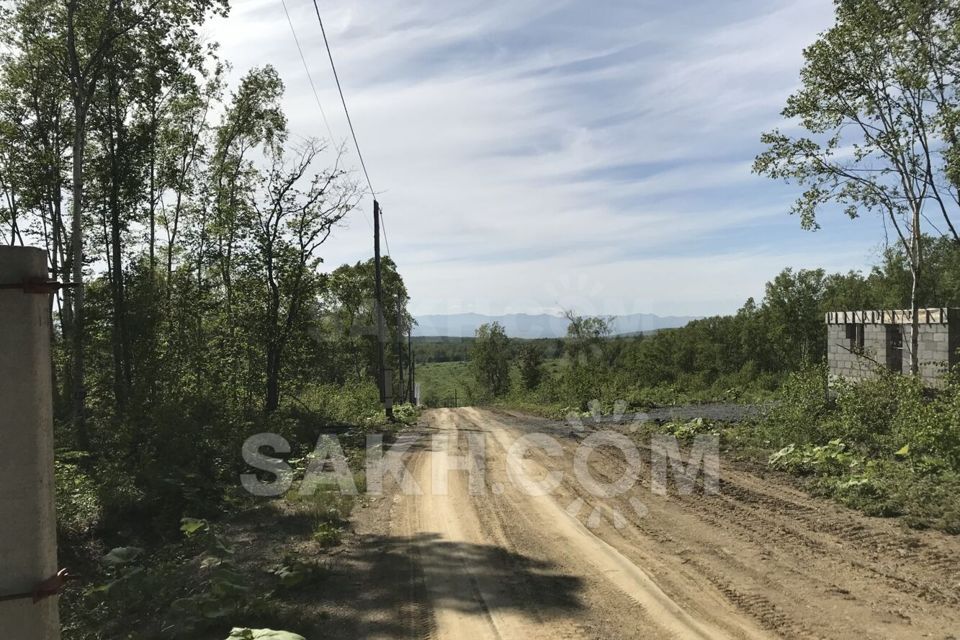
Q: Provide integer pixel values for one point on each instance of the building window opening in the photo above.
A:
(894, 348)
(855, 337)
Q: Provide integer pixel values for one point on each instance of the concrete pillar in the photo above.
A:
(28, 543)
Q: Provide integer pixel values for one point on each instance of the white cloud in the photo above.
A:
(522, 143)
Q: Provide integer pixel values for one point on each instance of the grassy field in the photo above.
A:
(443, 382)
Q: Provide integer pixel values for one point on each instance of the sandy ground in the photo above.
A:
(761, 559)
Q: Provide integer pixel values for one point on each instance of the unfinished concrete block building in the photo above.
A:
(860, 342)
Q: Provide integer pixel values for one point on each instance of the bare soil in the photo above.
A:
(761, 559)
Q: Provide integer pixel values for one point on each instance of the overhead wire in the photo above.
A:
(373, 193)
(306, 68)
(353, 133)
(343, 100)
(313, 86)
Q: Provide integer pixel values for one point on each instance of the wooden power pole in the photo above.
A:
(410, 387)
(383, 377)
(400, 387)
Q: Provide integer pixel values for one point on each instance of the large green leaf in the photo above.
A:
(262, 634)
(120, 556)
(190, 526)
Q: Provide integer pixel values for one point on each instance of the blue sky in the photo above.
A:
(532, 156)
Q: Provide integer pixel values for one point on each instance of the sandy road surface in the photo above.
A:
(484, 559)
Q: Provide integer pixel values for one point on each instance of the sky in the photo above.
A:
(533, 156)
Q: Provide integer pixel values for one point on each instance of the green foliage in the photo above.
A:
(586, 337)
(442, 383)
(223, 592)
(261, 634)
(490, 359)
(886, 446)
(329, 510)
(880, 125)
(293, 573)
(530, 361)
(327, 534)
(797, 414)
(832, 458)
(860, 83)
(195, 223)
(690, 429)
(122, 556)
(406, 413)
(78, 501)
(351, 403)
(349, 321)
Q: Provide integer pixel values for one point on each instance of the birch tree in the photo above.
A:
(877, 114)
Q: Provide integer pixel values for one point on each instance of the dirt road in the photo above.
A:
(483, 558)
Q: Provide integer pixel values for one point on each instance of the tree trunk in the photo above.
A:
(914, 326)
(273, 377)
(77, 374)
(153, 196)
(120, 369)
(915, 270)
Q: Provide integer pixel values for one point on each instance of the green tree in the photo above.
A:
(348, 309)
(880, 107)
(793, 306)
(586, 337)
(294, 213)
(530, 360)
(490, 358)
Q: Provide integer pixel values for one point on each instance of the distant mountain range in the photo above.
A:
(522, 325)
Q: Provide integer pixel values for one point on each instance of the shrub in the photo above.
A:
(800, 409)
(689, 430)
(867, 409)
(78, 503)
(832, 458)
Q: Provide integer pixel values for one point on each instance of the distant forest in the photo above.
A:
(755, 348)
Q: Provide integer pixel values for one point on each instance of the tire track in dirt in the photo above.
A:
(607, 563)
(467, 568)
(801, 566)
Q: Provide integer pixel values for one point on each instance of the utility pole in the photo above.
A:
(383, 377)
(28, 536)
(400, 387)
(410, 387)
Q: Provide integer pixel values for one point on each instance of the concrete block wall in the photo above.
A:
(842, 361)
(954, 339)
(939, 343)
(933, 352)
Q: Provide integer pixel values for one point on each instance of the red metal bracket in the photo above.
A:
(52, 586)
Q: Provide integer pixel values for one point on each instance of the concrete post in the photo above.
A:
(28, 544)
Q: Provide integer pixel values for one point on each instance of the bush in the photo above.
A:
(887, 446)
(355, 404)
(78, 502)
(867, 409)
(829, 459)
(798, 414)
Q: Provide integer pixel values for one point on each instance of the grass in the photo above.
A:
(441, 382)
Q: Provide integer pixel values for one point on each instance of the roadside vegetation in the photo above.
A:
(196, 222)
(744, 357)
(188, 225)
(872, 129)
(886, 446)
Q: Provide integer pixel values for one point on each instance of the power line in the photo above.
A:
(336, 77)
(306, 68)
(313, 86)
(346, 111)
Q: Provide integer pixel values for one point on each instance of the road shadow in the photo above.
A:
(377, 587)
